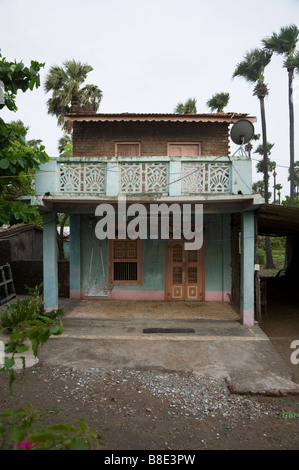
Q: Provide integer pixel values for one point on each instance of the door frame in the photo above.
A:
(168, 271)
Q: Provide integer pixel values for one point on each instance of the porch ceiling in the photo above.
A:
(277, 220)
(216, 204)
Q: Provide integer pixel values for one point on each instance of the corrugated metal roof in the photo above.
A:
(7, 231)
(159, 117)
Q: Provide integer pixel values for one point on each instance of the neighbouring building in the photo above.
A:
(152, 159)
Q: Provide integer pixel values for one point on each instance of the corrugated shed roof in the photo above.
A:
(7, 231)
(158, 117)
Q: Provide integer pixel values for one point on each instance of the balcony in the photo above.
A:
(164, 176)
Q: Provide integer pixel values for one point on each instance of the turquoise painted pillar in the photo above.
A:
(50, 266)
(247, 269)
(75, 256)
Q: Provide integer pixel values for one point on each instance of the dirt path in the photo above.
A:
(155, 410)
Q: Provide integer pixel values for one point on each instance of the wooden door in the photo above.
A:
(184, 272)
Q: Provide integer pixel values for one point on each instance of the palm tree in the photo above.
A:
(218, 102)
(252, 69)
(65, 146)
(296, 178)
(189, 107)
(271, 164)
(65, 83)
(278, 188)
(284, 44)
(296, 168)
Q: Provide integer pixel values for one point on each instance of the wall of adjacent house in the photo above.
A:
(94, 261)
(92, 139)
(25, 244)
(30, 273)
(5, 252)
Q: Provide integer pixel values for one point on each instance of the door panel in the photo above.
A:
(184, 272)
(128, 149)
(184, 149)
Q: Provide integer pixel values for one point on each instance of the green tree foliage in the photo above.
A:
(284, 43)
(65, 146)
(18, 158)
(271, 165)
(65, 83)
(189, 107)
(252, 69)
(218, 102)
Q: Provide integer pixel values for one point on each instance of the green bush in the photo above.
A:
(16, 432)
(18, 313)
(26, 310)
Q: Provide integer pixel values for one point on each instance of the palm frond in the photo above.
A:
(253, 66)
(65, 83)
(76, 70)
(218, 102)
(295, 62)
(284, 42)
(91, 95)
(189, 107)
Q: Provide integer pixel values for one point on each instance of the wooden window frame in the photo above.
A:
(128, 143)
(113, 260)
(184, 143)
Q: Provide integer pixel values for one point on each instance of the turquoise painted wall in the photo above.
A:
(153, 260)
(217, 257)
(153, 267)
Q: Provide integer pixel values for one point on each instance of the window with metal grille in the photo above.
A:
(125, 262)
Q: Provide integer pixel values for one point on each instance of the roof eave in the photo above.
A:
(131, 117)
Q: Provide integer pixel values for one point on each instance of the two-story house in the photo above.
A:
(148, 160)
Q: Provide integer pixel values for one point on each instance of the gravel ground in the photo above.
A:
(157, 410)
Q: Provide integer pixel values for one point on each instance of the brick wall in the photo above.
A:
(98, 138)
(30, 273)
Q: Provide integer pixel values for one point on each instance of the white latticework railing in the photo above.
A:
(81, 177)
(200, 177)
(143, 177)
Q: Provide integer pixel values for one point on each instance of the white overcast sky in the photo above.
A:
(148, 55)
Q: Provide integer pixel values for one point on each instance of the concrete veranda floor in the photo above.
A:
(112, 309)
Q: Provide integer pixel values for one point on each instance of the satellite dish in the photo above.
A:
(242, 132)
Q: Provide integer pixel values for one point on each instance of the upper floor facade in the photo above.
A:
(156, 155)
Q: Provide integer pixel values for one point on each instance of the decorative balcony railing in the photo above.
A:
(81, 178)
(143, 175)
(205, 177)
